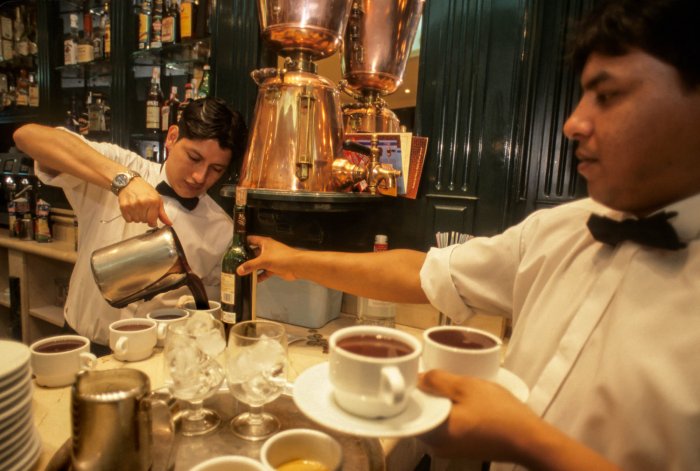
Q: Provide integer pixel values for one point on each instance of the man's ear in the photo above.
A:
(171, 137)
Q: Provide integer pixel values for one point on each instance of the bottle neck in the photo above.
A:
(239, 225)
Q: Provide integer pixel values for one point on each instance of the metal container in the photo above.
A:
(296, 134)
(314, 27)
(360, 117)
(140, 267)
(378, 43)
(114, 418)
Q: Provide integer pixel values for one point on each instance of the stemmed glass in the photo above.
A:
(191, 370)
(256, 370)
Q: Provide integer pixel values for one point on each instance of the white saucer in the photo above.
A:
(513, 383)
(314, 397)
(15, 355)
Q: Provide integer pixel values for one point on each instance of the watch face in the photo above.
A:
(121, 180)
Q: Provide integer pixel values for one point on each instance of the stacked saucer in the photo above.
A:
(20, 444)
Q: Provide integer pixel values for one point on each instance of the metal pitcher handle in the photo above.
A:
(158, 410)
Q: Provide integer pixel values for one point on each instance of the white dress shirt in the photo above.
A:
(204, 232)
(607, 338)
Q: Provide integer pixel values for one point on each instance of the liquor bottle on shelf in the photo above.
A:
(185, 102)
(33, 91)
(187, 16)
(86, 50)
(23, 88)
(171, 23)
(145, 25)
(148, 153)
(84, 117)
(203, 91)
(237, 303)
(70, 42)
(154, 101)
(31, 32)
(168, 112)
(107, 31)
(157, 24)
(98, 39)
(20, 33)
(201, 18)
(96, 114)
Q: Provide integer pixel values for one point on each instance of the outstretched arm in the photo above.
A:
(61, 152)
(489, 423)
(393, 275)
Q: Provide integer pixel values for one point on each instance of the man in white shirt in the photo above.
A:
(606, 315)
(103, 181)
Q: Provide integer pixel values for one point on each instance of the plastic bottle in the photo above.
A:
(372, 311)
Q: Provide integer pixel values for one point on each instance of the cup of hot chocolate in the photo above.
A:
(462, 350)
(57, 360)
(133, 339)
(165, 317)
(188, 304)
(373, 370)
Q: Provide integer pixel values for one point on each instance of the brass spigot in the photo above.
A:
(377, 175)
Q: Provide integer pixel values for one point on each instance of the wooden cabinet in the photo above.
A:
(43, 271)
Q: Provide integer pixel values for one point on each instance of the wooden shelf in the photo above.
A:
(49, 313)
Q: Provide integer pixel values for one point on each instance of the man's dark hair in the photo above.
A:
(669, 30)
(211, 118)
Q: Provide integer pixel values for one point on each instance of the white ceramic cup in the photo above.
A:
(56, 360)
(462, 350)
(188, 305)
(230, 463)
(368, 385)
(133, 339)
(165, 317)
(300, 447)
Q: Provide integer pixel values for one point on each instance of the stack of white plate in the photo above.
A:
(20, 444)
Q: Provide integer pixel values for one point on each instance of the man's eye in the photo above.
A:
(604, 98)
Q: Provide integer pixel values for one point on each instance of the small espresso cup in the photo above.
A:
(165, 317)
(229, 463)
(373, 369)
(302, 449)
(462, 350)
(57, 360)
(133, 339)
(189, 305)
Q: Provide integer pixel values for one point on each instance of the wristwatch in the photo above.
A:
(122, 179)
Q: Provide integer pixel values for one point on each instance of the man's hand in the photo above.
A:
(273, 257)
(483, 420)
(489, 423)
(140, 202)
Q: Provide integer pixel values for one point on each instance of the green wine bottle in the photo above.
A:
(236, 291)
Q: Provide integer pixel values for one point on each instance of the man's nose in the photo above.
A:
(578, 126)
(199, 175)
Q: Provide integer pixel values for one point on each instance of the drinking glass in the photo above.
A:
(256, 370)
(191, 370)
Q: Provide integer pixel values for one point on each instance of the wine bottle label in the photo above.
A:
(86, 53)
(152, 115)
(186, 20)
(168, 32)
(70, 52)
(144, 31)
(228, 288)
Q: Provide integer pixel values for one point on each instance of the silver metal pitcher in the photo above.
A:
(140, 267)
(119, 424)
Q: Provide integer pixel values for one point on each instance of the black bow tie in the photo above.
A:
(166, 190)
(654, 231)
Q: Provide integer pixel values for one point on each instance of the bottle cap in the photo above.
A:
(381, 239)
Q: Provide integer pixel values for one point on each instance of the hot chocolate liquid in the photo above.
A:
(376, 346)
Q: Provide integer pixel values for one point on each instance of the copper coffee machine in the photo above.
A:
(297, 131)
(378, 42)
